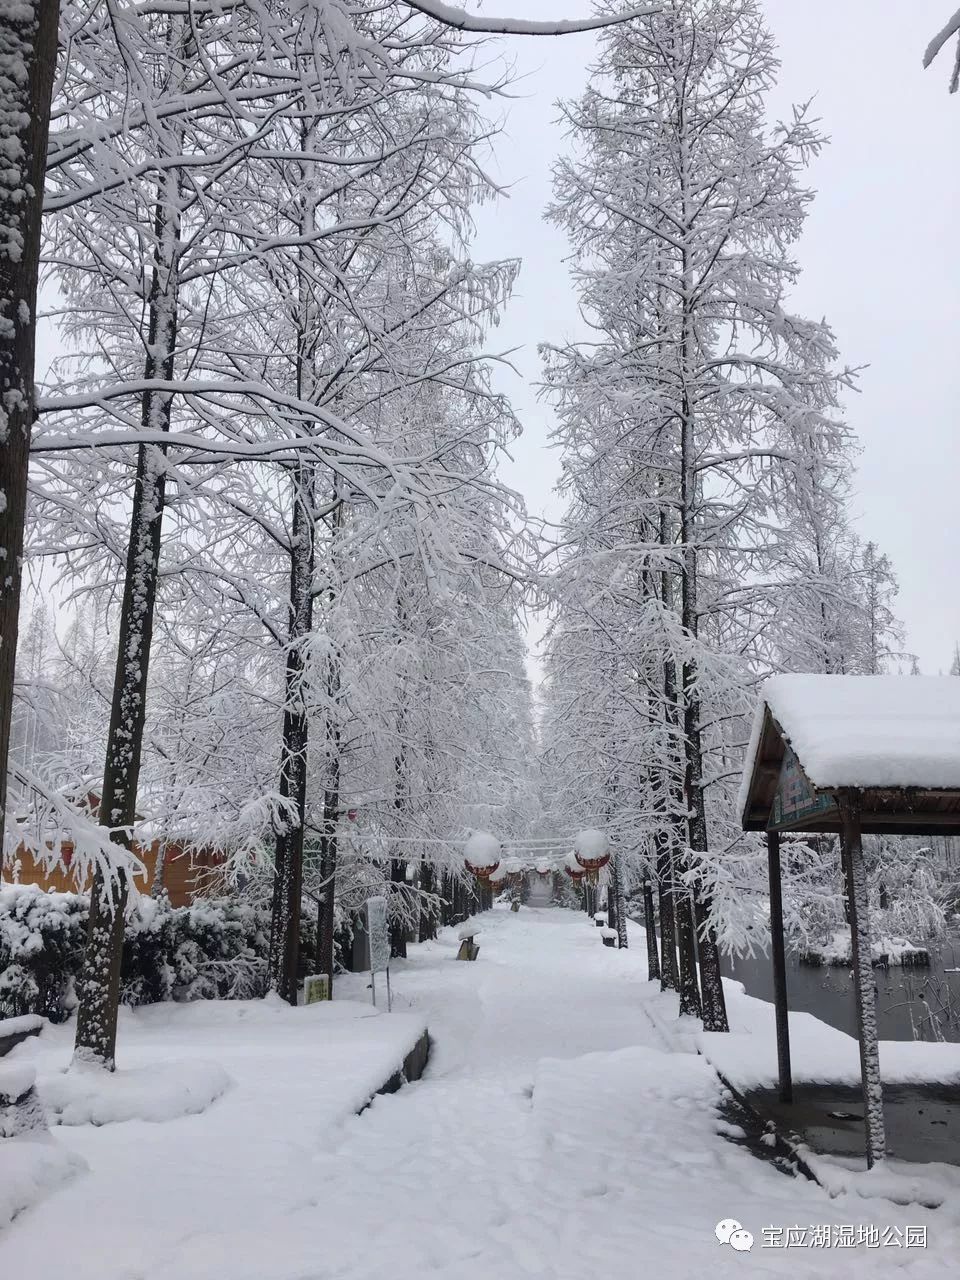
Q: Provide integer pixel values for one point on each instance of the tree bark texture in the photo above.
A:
(99, 987)
(650, 925)
(283, 959)
(669, 971)
(28, 59)
(619, 899)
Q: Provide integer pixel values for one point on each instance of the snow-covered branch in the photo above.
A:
(457, 18)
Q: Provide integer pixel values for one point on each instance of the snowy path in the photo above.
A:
(557, 1134)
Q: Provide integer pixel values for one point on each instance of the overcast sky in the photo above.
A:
(880, 258)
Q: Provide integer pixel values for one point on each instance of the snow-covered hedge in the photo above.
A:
(41, 941)
(216, 948)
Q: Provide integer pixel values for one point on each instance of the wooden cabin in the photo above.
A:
(188, 873)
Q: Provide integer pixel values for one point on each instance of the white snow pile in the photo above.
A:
(902, 1181)
(591, 844)
(746, 1056)
(865, 731)
(161, 1091)
(543, 866)
(513, 866)
(482, 849)
(16, 1079)
(26, 1023)
(839, 949)
(31, 1166)
(21, 1111)
(469, 929)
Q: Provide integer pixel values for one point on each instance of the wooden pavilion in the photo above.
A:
(850, 755)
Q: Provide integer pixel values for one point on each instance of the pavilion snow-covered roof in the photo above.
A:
(895, 739)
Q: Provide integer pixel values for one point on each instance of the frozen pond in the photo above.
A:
(905, 997)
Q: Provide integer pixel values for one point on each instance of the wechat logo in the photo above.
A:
(729, 1231)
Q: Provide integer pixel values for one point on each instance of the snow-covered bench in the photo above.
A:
(609, 937)
(13, 1030)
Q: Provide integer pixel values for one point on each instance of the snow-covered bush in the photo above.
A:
(214, 949)
(220, 950)
(41, 942)
(151, 944)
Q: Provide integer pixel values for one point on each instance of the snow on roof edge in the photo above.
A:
(750, 757)
(863, 731)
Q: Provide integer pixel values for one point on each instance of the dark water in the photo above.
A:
(921, 1004)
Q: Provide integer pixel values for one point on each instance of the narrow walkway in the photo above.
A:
(555, 1135)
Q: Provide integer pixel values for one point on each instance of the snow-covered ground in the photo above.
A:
(566, 1128)
(747, 1054)
(271, 1083)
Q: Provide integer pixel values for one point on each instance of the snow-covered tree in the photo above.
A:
(261, 284)
(703, 407)
(28, 44)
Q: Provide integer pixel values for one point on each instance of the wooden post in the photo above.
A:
(863, 977)
(779, 967)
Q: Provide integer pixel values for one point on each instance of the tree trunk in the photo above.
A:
(684, 924)
(398, 866)
(28, 39)
(650, 924)
(619, 900)
(428, 923)
(711, 980)
(714, 1006)
(686, 937)
(99, 986)
(284, 956)
(326, 906)
(669, 972)
(159, 871)
(398, 930)
(669, 838)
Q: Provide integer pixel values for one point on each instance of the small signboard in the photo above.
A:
(795, 799)
(316, 987)
(378, 937)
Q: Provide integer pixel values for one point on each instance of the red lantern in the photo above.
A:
(591, 850)
(484, 849)
(482, 873)
(575, 876)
